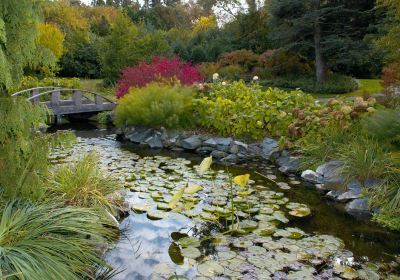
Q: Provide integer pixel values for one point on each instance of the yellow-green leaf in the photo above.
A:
(242, 180)
(205, 165)
(193, 189)
(176, 197)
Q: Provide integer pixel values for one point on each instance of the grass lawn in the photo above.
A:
(370, 86)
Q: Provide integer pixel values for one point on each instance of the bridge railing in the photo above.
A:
(76, 97)
(34, 91)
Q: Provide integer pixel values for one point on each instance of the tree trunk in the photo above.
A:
(319, 59)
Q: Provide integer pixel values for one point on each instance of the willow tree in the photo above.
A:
(18, 33)
(390, 41)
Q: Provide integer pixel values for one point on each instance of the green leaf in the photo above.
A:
(205, 165)
(193, 189)
(175, 199)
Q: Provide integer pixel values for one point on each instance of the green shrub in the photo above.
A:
(50, 242)
(84, 184)
(246, 59)
(335, 84)
(384, 126)
(232, 72)
(241, 110)
(156, 105)
(32, 82)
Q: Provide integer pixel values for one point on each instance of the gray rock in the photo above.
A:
(238, 147)
(354, 186)
(223, 144)
(204, 150)
(254, 150)
(210, 142)
(191, 143)
(311, 176)
(218, 154)
(330, 173)
(287, 163)
(348, 196)
(333, 194)
(139, 135)
(155, 142)
(230, 159)
(372, 182)
(269, 148)
(358, 205)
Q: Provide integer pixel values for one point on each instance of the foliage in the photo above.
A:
(49, 242)
(279, 62)
(23, 151)
(335, 84)
(244, 58)
(159, 69)
(391, 78)
(156, 105)
(32, 82)
(18, 33)
(384, 126)
(117, 49)
(84, 184)
(50, 44)
(204, 24)
(240, 110)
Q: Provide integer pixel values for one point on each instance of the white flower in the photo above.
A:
(215, 76)
(255, 78)
(223, 83)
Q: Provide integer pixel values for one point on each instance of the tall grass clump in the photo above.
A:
(49, 241)
(84, 184)
(156, 105)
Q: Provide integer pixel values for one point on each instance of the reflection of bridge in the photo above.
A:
(66, 101)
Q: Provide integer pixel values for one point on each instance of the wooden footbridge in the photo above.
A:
(66, 101)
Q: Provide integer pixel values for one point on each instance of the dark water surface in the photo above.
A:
(147, 243)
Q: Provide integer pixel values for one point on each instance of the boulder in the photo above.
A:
(254, 150)
(191, 143)
(358, 205)
(349, 195)
(223, 144)
(155, 142)
(269, 147)
(238, 147)
(287, 163)
(230, 159)
(311, 176)
(139, 135)
(330, 173)
(218, 154)
(333, 194)
(204, 150)
(210, 142)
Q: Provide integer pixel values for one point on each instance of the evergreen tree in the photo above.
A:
(326, 31)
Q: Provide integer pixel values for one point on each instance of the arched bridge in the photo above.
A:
(66, 101)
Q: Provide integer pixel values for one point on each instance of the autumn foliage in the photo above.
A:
(159, 69)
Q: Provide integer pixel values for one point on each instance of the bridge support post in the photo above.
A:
(98, 100)
(77, 98)
(55, 98)
(34, 92)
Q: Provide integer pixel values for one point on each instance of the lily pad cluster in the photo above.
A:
(250, 236)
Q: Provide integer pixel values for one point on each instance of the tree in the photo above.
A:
(18, 32)
(325, 31)
(117, 50)
(50, 47)
(390, 41)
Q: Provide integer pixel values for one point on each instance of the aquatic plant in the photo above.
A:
(84, 184)
(49, 241)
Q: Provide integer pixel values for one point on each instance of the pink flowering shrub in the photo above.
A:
(160, 69)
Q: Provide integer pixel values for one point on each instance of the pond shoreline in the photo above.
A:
(228, 151)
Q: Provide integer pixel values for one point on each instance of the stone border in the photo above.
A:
(327, 178)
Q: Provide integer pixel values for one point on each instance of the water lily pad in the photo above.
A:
(191, 252)
(300, 212)
(223, 256)
(257, 250)
(280, 216)
(178, 277)
(193, 188)
(140, 207)
(210, 268)
(238, 243)
(189, 241)
(156, 214)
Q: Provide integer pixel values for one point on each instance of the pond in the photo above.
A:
(282, 229)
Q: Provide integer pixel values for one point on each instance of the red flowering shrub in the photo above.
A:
(159, 69)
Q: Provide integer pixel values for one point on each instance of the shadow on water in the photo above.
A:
(363, 238)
